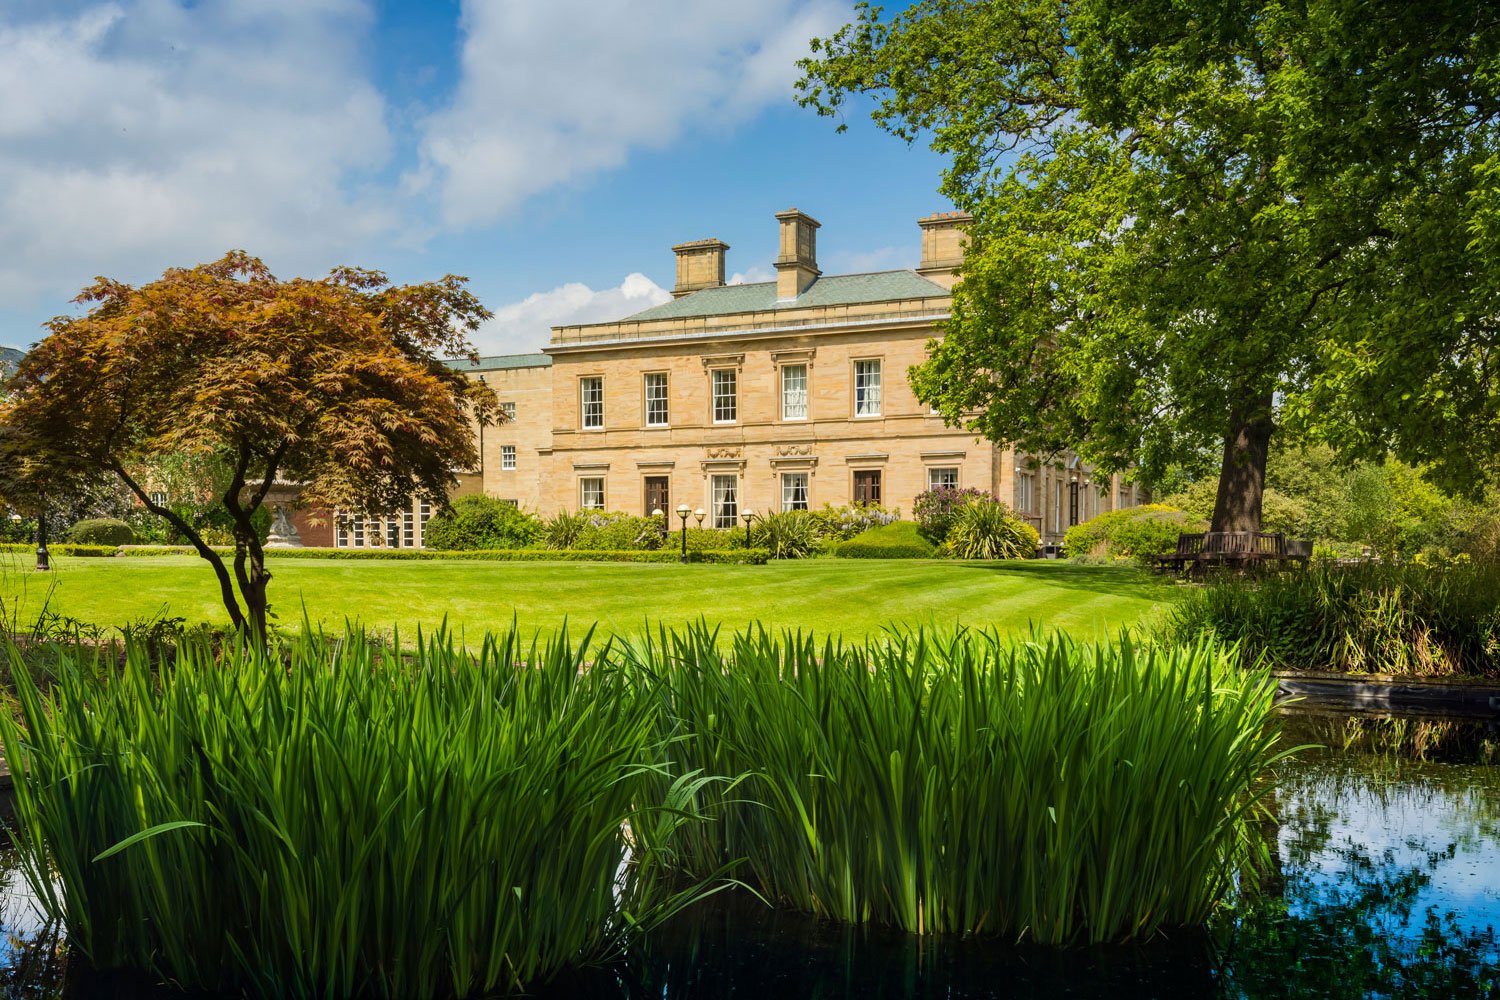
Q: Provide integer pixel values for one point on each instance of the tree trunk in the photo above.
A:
(1242, 476)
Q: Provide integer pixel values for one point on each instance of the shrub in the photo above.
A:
(968, 783)
(792, 534)
(987, 529)
(1140, 533)
(561, 530)
(898, 540)
(843, 523)
(1379, 618)
(339, 818)
(601, 530)
(481, 522)
(100, 531)
(936, 510)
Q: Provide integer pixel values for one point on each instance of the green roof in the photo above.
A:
(834, 290)
(499, 362)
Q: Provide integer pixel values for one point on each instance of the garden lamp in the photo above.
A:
(748, 515)
(700, 516)
(683, 512)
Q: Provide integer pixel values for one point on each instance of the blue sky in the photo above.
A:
(552, 151)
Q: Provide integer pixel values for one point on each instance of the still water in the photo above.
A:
(1386, 883)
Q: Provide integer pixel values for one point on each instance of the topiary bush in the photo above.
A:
(936, 510)
(1140, 533)
(988, 529)
(897, 540)
(481, 522)
(100, 531)
(793, 534)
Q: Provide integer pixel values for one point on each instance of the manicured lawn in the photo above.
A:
(853, 597)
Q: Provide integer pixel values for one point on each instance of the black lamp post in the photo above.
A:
(683, 512)
(748, 515)
(43, 559)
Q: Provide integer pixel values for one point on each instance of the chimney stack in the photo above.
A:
(943, 246)
(797, 263)
(700, 264)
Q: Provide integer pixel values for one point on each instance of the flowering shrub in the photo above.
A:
(845, 522)
(614, 530)
(936, 510)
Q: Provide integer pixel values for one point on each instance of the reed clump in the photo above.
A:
(332, 818)
(1374, 618)
(969, 783)
(343, 817)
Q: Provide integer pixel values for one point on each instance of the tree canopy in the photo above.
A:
(1199, 225)
(335, 384)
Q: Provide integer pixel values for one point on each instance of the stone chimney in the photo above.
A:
(943, 246)
(700, 264)
(797, 263)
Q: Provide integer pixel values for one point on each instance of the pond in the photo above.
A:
(1385, 883)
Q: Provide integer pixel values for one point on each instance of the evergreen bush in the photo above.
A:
(481, 522)
(898, 540)
(1140, 533)
(100, 531)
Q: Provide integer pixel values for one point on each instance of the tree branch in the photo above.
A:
(226, 585)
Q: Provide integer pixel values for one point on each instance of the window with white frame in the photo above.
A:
(1057, 506)
(508, 410)
(408, 529)
(725, 500)
(656, 399)
(591, 493)
(357, 531)
(508, 457)
(591, 401)
(793, 392)
(794, 491)
(1026, 491)
(424, 514)
(158, 497)
(725, 403)
(945, 477)
(867, 388)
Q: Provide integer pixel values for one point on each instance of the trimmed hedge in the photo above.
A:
(900, 540)
(755, 557)
(61, 549)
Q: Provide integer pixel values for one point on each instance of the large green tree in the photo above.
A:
(333, 383)
(1199, 225)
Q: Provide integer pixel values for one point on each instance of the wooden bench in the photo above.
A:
(1237, 549)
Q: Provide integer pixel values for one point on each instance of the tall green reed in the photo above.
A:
(969, 783)
(329, 817)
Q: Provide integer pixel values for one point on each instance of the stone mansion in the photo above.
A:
(773, 396)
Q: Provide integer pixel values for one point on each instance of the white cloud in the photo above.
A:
(526, 325)
(554, 92)
(145, 133)
(751, 276)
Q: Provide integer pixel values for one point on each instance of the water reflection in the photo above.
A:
(1386, 884)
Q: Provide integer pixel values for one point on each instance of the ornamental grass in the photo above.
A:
(968, 783)
(329, 818)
